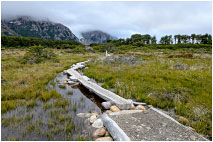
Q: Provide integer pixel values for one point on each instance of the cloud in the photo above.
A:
(119, 19)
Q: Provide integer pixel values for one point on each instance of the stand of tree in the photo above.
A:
(136, 40)
(22, 42)
(141, 40)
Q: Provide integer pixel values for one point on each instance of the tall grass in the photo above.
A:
(25, 82)
(158, 83)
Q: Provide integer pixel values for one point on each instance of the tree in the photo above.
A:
(175, 37)
(193, 37)
(153, 40)
(198, 38)
(185, 38)
(147, 38)
(166, 39)
(206, 39)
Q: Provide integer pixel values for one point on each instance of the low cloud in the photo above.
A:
(119, 19)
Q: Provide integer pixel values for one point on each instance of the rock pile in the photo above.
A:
(180, 66)
(101, 133)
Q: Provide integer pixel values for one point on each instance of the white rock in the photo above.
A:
(95, 113)
(82, 115)
(104, 139)
(140, 107)
(92, 118)
(106, 105)
(98, 123)
(88, 114)
(108, 111)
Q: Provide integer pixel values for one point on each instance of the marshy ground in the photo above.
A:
(178, 81)
(36, 107)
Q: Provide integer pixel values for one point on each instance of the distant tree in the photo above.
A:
(178, 38)
(198, 38)
(147, 38)
(193, 37)
(175, 38)
(206, 39)
(185, 38)
(153, 40)
(166, 40)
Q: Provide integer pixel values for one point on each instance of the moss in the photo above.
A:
(69, 93)
(62, 86)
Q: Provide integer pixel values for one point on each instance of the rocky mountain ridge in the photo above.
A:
(95, 37)
(28, 27)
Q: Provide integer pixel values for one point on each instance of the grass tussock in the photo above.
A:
(61, 103)
(31, 104)
(62, 86)
(69, 93)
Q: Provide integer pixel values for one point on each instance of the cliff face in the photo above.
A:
(27, 27)
(95, 37)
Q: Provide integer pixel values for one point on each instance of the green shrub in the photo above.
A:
(37, 54)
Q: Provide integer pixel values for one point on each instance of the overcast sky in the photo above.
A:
(120, 19)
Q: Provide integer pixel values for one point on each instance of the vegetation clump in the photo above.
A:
(121, 59)
(37, 54)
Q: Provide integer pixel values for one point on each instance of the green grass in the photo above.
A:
(31, 104)
(158, 83)
(69, 93)
(25, 82)
(61, 103)
(62, 86)
(52, 83)
(47, 106)
(74, 107)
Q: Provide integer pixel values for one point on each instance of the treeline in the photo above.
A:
(193, 38)
(21, 42)
(141, 40)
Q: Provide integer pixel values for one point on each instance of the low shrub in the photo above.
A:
(37, 54)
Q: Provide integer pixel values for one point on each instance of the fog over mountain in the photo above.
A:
(120, 19)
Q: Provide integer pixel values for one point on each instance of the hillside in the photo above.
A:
(28, 27)
(95, 37)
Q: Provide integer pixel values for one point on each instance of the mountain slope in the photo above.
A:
(95, 37)
(5, 30)
(27, 27)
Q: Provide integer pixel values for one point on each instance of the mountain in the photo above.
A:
(5, 30)
(27, 27)
(95, 37)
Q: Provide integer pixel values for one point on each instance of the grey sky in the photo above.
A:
(120, 19)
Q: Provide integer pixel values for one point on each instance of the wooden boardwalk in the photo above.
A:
(93, 87)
